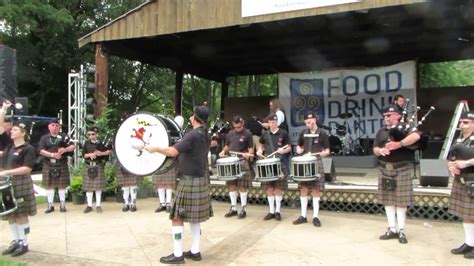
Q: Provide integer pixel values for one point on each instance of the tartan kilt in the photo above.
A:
(166, 179)
(93, 184)
(246, 180)
(460, 204)
(279, 184)
(126, 179)
(316, 184)
(23, 188)
(62, 181)
(403, 194)
(191, 202)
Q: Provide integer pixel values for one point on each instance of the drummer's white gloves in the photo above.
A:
(260, 152)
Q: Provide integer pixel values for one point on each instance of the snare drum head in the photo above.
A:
(303, 159)
(227, 160)
(268, 161)
(134, 133)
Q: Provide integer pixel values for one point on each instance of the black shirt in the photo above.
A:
(313, 144)
(90, 147)
(23, 155)
(52, 144)
(239, 141)
(277, 140)
(398, 155)
(193, 149)
(254, 126)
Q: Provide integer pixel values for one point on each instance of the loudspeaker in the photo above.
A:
(434, 172)
(329, 170)
(8, 85)
(24, 105)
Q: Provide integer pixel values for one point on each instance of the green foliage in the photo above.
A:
(79, 170)
(111, 184)
(145, 183)
(41, 199)
(76, 185)
(447, 74)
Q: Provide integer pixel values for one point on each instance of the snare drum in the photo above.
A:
(142, 129)
(7, 198)
(228, 168)
(304, 168)
(267, 170)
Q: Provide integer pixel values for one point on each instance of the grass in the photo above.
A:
(4, 262)
(40, 200)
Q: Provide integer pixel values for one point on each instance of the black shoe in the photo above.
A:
(190, 255)
(171, 259)
(133, 208)
(402, 239)
(62, 209)
(161, 208)
(269, 217)
(231, 213)
(88, 209)
(50, 209)
(300, 220)
(168, 208)
(98, 209)
(125, 208)
(22, 249)
(13, 246)
(470, 254)
(388, 235)
(316, 222)
(277, 216)
(242, 214)
(463, 249)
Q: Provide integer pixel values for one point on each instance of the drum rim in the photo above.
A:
(157, 116)
(234, 159)
(300, 158)
(266, 160)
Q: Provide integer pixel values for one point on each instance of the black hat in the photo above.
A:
(201, 113)
(94, 129)
(54, 121)
(310, 115)
(467, 115)
(391, 109)
(237, 119)
(23, 125)
(272, 117)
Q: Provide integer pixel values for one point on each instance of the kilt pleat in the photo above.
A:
(191, 202)
(25, 196)
(318, 184)
(93, 184)
(165, 179)
(246, 180)
(460, 204)
(126, 179)
(403, 194)
(62, 181)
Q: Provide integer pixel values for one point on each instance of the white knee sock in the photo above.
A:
(243, 198)
(316, 207)
(469, 232)
(177, 240)
(233, 199)
(196, 233)
(126, 195)
(89, 198)
(401, 217)
(169, 195)
(14, 230)
(271, 203)
(161, 196)
(390, 212)
(62, 195)
(98, 197)
(304, 206)
(23, 230)
(278, 200)
(133, 194)
(50, 195)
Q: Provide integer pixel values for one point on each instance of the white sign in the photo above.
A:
(335, 95)
(263, 7)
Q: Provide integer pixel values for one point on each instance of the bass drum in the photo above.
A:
(138, 130)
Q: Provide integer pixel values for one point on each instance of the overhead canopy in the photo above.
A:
(210, 39)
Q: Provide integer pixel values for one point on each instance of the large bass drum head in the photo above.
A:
(134, 133)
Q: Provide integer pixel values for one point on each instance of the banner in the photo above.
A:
(263, 7)
(339, 94)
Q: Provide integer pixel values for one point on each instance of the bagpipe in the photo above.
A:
(66, 139)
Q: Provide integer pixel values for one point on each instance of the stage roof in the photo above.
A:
(210, 39)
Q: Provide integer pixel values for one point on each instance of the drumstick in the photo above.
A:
(273, 153)
(241, 153)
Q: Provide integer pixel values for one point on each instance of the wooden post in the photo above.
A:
(101, 79)
(178, 92)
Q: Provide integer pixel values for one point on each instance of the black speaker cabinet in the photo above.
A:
(8, 85)
(434, 172)
(23, 103)
(329, 170)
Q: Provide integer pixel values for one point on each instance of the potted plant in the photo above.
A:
(144, 188)
(75, 188)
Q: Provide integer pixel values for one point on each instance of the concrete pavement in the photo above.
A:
(141, 238)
